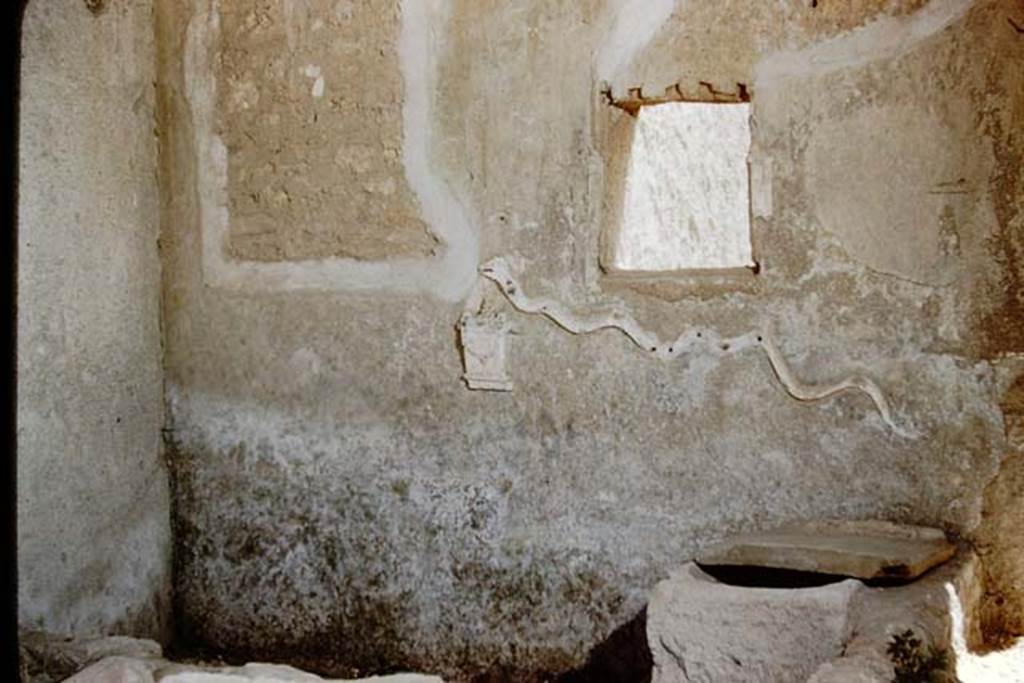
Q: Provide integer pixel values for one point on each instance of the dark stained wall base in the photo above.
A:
(10, 42)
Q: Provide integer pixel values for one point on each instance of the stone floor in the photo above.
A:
(698, 629)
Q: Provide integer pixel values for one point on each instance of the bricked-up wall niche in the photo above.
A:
(310, 101)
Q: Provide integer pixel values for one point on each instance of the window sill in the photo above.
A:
(679, 284)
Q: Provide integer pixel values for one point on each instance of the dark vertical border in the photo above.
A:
(10, 44)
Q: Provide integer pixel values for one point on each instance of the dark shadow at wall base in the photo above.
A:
(10, 45)
(623, 657)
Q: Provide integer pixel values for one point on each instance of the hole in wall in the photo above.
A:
(678, 195)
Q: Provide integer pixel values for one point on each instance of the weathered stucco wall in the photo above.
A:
(93, 504)
(342, 499)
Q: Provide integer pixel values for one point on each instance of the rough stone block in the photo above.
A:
(271, 673)
(148, 670)
(116, 670)
(48, 657)
(701, 630)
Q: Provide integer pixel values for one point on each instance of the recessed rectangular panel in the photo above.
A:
(685, 197)
(309, 107)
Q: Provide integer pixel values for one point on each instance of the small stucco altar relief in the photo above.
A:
(484, 350)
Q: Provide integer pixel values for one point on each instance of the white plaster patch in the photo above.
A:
(1003, 665)
(448, 276)
(315, 73)
(885, 38)
(686, 198)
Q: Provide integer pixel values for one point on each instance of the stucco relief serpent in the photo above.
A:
(705, 340)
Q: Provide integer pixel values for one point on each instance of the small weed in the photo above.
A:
(912, 664)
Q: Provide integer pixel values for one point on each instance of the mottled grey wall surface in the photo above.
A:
(93, 505)
(340, 497)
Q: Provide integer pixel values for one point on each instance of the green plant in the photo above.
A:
(913, 664)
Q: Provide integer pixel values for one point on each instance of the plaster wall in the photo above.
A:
(343, 500)
(93, 505)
